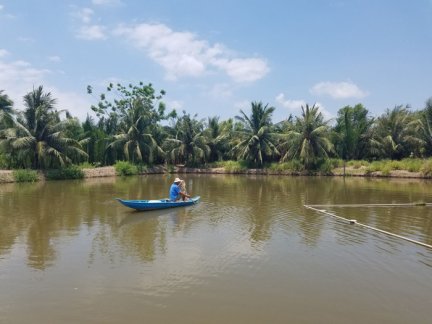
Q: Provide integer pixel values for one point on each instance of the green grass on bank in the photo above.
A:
(88, 165)
(423, 166)
(326, 167)
(125, 168)
(70, 172)
(231, 166)
(25, 175)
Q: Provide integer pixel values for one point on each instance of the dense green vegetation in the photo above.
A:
(134, 129)
(25, 175)
(125, 168)
(69, 172)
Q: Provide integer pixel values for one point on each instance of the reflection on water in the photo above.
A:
(248, 252)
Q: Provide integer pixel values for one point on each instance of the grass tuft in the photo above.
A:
(25, 175)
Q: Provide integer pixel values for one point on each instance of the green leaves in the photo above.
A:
(256, 142)
(309, 140)
(345, 136)
(396, 135)
(39, 136)
(188, 143)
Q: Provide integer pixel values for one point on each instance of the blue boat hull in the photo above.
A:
(157, 204)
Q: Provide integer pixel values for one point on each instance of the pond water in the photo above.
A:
(248, 252)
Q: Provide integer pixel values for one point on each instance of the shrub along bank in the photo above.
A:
(407, 168)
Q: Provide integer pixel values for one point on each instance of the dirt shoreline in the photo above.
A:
(6, 176)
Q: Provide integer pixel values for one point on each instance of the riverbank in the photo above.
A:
(6, 176)
(349, 172)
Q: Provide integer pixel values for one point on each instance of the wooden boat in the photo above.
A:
(157, 203)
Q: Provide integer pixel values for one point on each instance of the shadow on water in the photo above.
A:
(136, 216)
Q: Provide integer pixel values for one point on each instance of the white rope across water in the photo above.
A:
(353, 221)
(375, 205)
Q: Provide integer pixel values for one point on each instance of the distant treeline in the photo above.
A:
(133, 125)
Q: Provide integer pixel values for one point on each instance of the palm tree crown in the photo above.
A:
(255, 138)
(189, 144)
(6, 110)
(37, 136)
(395, 135)
(308, 140)
(135, 135)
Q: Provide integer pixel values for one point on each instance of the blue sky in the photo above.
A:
(214, 58)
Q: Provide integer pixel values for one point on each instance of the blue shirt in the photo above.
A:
(174, 192)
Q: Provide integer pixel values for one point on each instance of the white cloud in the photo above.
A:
(27, 40)
(338, 90)
(107, 2)
(77, 104)
(243, 105)
(243, 70)
(174, 104)
(88, 30)
(105, 82)
(54, 58)
(291, 104)
(17, 72)
(20, 77)
(181, 54)
(4, 13)
(184, 54)
(84, 15)
(294, 106)
(327, 115)
(3, 52)
(92, 32)
(221, 90)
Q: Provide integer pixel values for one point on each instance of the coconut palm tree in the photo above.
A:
(93, 140)
(188, 144)
(255, 139)
(426, 126)
(6, 121)
(395, 134)
(6, 110)
(353, 132)
(308, 140)
(37, 137)
(135, 136)
(218, 137)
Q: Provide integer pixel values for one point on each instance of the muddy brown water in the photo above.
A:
(248, 252)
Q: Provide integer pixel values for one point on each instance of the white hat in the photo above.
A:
(177, 180)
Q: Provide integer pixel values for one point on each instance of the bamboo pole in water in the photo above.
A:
(353, 221)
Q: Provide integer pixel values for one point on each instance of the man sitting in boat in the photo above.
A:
(176, 192)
